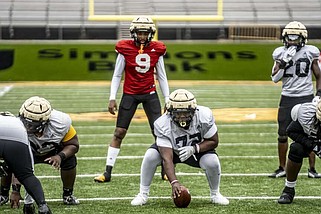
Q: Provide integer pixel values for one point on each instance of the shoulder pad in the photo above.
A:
(294, 112)
(123, 45)
(162, 126)
(306, 113)
(205, 115)
(315, 52)
(60, 120)
(278, 52)
(159, 47)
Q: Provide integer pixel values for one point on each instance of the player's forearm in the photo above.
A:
(162, 78)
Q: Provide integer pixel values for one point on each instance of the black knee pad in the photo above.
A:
(283, 139)
(296, 153)
(69, 163)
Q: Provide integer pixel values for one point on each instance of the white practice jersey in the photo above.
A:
(171, 136)
(11, 128)
(58, 126)
(307, 118)
(297, 78)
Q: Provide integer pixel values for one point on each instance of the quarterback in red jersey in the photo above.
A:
(140, 59)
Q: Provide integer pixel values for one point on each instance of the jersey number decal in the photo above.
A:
(305, 62)
(143, 62)
(194, 138)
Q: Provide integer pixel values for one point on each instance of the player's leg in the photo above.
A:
(23, 170)
(296, 154)
(312, 173)
(211, 164)
(127, 108)
(152, 107)
(5, 188)
(284, 118)
(68, 176)
(151, 160)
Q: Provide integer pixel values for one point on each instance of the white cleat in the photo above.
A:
(219, 199)
(139, 200)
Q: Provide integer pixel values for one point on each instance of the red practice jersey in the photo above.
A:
(139, 68)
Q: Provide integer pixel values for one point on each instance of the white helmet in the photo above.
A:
(181, 106)
(142, 24)
(35, 113)
(295, 33)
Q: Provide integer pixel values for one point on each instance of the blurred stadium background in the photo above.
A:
(204, 19)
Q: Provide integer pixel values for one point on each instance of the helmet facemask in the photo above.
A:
(181, 107)
(33, 126)
(182, 117)
(295, 34)
(35, 113)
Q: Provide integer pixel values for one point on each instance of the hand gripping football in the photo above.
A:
(184, 199)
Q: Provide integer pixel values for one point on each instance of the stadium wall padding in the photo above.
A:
(29, 61)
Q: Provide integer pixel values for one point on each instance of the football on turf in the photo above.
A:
(184, 199)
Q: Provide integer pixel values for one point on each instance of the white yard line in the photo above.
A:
(5, 90)
(194, 197)
(149, 134)
(147, 126)
(158, 174)
(148, 144)
(141, 157)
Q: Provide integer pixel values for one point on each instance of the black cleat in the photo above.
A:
(70, 200)
(312, 173)
(287, 195)
(44, 209)
(280, 172)
(3, 199)
(29, 209)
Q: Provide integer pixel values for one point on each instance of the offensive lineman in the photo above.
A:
(53, 141)
(16, 152)
(305, 131)
(294, 64)
(138, 58)
(187, 134)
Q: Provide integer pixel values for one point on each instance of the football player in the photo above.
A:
(294, 64)
(54, 141)
(16, 152)
(187, 134)
(138, 59)
(305, 131)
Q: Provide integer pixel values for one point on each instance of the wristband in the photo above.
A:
(197, 148)
(318, 93)
(282, 64)
(62, 156)
(174, 181)
(16, 187)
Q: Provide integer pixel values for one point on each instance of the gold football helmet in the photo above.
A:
(295, 33)
(142, 24)
(181, 106)
(35, 113)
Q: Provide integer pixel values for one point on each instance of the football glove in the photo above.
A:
(315, 100)
(289, 53)
(186, 152)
